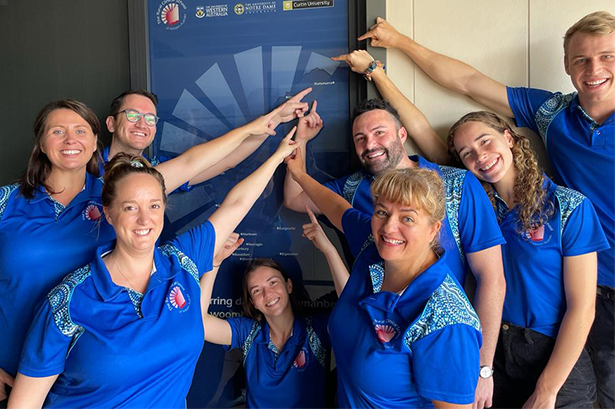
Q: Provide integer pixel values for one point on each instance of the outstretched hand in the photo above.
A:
(310, 125)
(230, 245)
(313, 231)
(358, 60)
(383, 34)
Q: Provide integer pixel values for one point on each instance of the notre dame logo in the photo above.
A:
(239, 9)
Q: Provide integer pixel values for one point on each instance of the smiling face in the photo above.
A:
(68, 140)
(377, 141)
(137, 212)
(590, 62)
(269, 292)
(402, 232)
(485, 152)
(132, 137)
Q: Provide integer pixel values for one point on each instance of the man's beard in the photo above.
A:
(393, 156)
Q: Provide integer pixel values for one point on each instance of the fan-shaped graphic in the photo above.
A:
(300, 360)
(176, 297)
(170, 14)
(223, 107)
(385, 333)
(92, 212)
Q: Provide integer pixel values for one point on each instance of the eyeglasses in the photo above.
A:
(134, 116)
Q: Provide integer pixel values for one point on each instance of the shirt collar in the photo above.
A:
(297, 337)
(575, 106)
(91, 189)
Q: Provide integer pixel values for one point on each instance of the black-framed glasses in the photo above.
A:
(134, 116)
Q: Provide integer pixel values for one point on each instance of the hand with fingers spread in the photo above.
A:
(230, 245)
(309, 126)
(383, 34)
(314, 232)
(358, 60)
(294, 108)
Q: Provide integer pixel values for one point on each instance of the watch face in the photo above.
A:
(485, 372)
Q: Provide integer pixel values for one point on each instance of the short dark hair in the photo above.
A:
(39, 166)
(117, 102)
(249, 309)
(122, 165)
(376, 103)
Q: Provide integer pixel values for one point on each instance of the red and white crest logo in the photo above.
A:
(176, 298)
(385, 333)
(92, 212)
(538, 234)
(170, 14)
(300, 361)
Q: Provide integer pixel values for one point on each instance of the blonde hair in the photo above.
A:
(597, 23)
(412, 186)
(123, 165)
(529, 194)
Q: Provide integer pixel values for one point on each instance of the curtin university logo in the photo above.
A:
(171, 14)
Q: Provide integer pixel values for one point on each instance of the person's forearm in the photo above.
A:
(207, 286)
(338, 269)
(294, 196)
(330, 203)
(488, 301)
(417, 125)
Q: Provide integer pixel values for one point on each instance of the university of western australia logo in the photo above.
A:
(386, 332)
(93, 212)
(301, 360)
(171, 13)
(178, 299)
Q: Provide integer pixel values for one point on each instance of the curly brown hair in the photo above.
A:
(529, 194)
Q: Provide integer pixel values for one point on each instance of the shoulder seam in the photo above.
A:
(568, 200)
(549, 109)
(185, 262)
(5, 194)
(351, 185)
(453, 180)
(60, 298)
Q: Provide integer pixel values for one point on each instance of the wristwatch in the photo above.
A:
(370, 69)
(485, 372)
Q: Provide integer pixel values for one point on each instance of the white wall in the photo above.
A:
(516, 42)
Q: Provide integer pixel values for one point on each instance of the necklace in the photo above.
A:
(123, 275)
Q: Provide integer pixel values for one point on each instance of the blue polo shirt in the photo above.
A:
(291, 378)
(534, 260)
(155, 161)
(114, 347)
(402, 351)
(469, 224)
(581, 152)
(41, 241)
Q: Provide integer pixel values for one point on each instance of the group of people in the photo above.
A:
(125, 327)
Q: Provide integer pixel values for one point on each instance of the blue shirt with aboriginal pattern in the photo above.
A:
(469, 224)
(582, 154)
(402, 351)
(115, 347)
(41, 241)
(534, 260)
(291, 378)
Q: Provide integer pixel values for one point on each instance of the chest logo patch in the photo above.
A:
(386, 331)
(178, 299)
(92, 212)
(539, 236)
(301, 360)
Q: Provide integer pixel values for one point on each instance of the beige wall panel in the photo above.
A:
(549, 20)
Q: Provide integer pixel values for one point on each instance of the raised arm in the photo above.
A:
(217, 331)
(314, 232)
(291, 109)
(580, 274)
(241, 198)
(417, 125)
(448, 72)
(30, 392)
(307, 128)
(330, 203)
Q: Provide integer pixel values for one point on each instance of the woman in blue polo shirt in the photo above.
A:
(127, 330)
(552, 235)
(403, 332)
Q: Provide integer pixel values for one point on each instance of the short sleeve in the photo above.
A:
(446, 364)
(198, 244)
(336, 185)
(357, 229)
(582, 231)
(478, 226)
(524, 103)
(46, 347)
(241, 328)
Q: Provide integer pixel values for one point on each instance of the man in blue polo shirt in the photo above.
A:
(133, 120)
(577, 129)
(470, 233)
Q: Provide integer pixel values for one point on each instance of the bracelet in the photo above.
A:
(372, 67)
